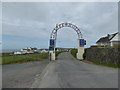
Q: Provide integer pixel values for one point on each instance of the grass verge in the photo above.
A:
(11, 59)
(102, 64)
(74, 52)
(57, 53)
(108, 65)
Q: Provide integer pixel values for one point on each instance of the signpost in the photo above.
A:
(81, 42)
(52, 44)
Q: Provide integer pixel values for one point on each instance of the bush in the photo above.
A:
(57, 53)
(74, 52)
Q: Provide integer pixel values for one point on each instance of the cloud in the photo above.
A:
(25, 11)
(37, 19)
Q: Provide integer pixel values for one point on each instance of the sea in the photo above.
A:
(8, 50)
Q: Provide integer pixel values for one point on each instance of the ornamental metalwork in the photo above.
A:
(54, 32)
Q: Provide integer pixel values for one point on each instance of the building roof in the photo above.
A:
(107, 38)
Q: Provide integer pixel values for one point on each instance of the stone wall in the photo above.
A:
(103, 55)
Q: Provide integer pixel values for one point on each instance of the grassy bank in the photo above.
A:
(108, 65)
(7, 58)
(57, 53)
(74, 52)
(102, 64)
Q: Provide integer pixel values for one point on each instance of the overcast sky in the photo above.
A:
(29, 24)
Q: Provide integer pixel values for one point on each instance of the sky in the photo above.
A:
(29, 24)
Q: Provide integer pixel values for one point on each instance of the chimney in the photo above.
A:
(109, 36)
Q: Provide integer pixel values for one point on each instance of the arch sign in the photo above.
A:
(53, 36)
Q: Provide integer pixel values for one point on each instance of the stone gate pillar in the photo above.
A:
(80, 49)
(51, 55)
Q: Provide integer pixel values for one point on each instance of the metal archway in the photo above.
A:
(53, 37)
(54, 32)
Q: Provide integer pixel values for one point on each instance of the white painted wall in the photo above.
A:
(116, 38)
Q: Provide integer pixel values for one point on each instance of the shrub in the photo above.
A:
(74, 52)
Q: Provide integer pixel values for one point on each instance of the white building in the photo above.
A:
(109, 40)
(19, 52)
(26, 51)
(44, 51)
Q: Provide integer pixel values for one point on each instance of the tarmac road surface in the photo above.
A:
(67, 72)
(21, 75)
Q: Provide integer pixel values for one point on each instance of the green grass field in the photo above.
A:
(11, 59)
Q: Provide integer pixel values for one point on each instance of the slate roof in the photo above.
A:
(106, 39)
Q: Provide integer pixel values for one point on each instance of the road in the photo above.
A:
(21, 75)
(67, 72)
